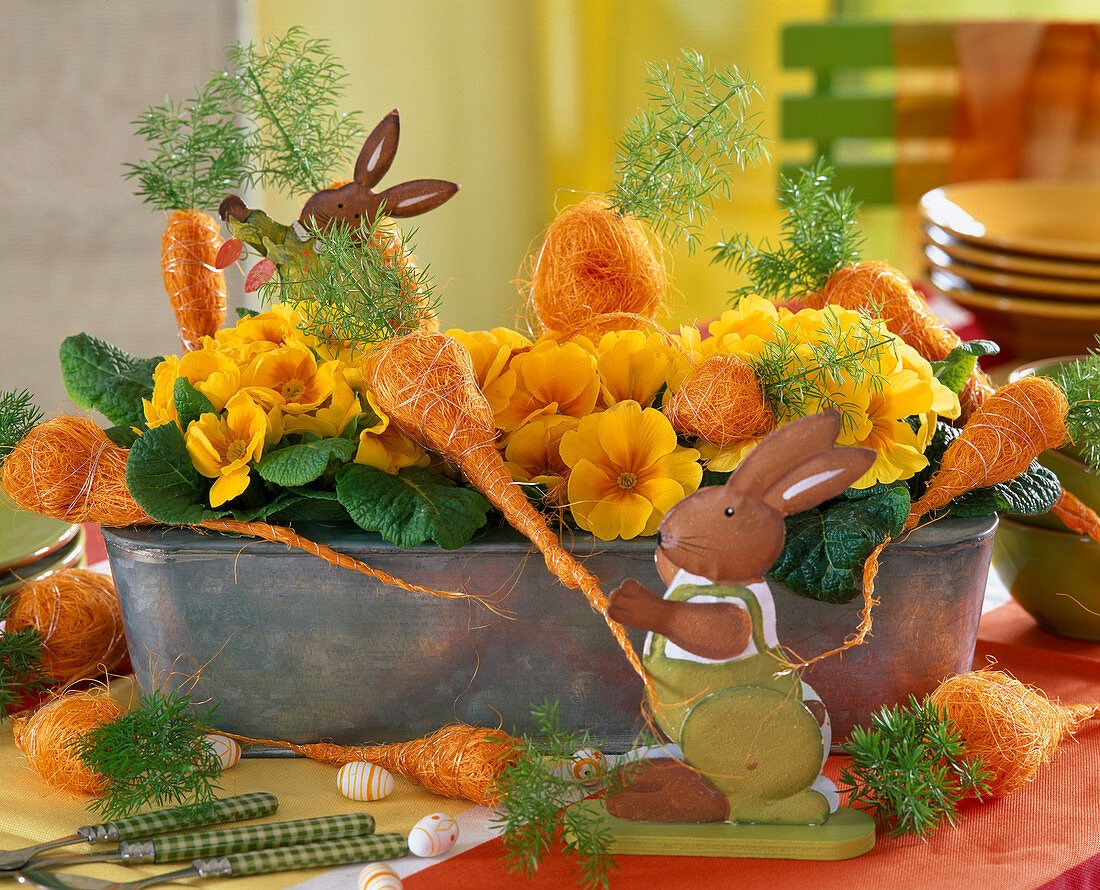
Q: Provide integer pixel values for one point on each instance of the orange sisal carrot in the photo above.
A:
(196, 288)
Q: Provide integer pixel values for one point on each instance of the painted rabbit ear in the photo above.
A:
(417, 196)
(787, 446)
(821, 477)
(378, 151)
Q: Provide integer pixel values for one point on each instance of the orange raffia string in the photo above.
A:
(67, 468)
(77, 615)
(46, 738)
(195, 287)
(426, 384)
(593, 262)
(458, 761)
(1014, 425)
(1012, 728)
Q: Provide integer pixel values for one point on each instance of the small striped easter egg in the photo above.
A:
(379, 876)
(227, 749)
(364, 781)
(589, 766)
(433, 835)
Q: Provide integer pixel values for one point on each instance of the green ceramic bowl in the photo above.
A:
(1054, 575)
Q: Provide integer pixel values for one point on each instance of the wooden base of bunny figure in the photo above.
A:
(751, 731)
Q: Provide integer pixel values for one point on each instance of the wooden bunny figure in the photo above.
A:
(747, 725)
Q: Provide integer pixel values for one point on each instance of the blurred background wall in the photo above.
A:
(520, 101)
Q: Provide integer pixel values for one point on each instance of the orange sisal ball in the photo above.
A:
(67, 468)
(594, 262)
(46, 738)
(78, 616)
(1014, 729)
(721, 402)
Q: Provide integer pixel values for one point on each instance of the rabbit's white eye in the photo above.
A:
(729, 511)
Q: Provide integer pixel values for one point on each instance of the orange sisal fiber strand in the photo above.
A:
(1015, 424)
(594, 262)
(196, 288)
(721, 402)
(426, 384)
(1076, 516)
(879, 288)
(77, 614)
(459, 761)
(46, 736)
(1012, 728)
(67, 468)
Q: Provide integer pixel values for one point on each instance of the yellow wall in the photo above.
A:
(522, 102)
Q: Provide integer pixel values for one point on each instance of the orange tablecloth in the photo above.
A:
(1045, 836)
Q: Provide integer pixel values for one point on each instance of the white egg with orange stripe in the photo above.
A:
(379, 876)
(433, 835)
(364, 781)
(589, 766)
(226, 749)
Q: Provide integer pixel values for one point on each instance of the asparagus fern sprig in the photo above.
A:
(289, 89)
(1080, 381)
(155, 754)
(18, 415)
(23, 670)
(680, 152)
(817, 236)
(198, 152)
(535, 812)
(909, 769)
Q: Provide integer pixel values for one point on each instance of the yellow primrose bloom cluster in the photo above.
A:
(271, 387)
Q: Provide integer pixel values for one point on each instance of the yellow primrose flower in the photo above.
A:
(634, 366)
(626, 471)
(290, 378)
(551, 378)
(214, 375)
(753, 316)
(330, 420)
(161, 408)
(533, 455)
(221, 447)
(279, 325)
(491, 352)
(897, 444)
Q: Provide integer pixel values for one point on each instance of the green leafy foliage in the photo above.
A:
(107, 379)
(909, 769)
(680, 152)
(289, 89)
(18, 416)
(155, 755)
(823, 555)
(1034, 491)
(412, 507)
(818, 236)
(304, 463)
(535, 813)
(1080, 381)
(955, 369)
(198, 152)
(162, 479)
(23, 671)
(122, 436)
(190, 403)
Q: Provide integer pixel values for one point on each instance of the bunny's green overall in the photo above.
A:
(742, 722)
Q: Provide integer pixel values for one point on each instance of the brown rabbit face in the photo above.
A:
(345, 203)
(722, 535)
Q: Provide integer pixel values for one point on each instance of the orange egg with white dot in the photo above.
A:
(359, 780)
(588, 765)
(379, 876)
(433, 835)
(226, 749)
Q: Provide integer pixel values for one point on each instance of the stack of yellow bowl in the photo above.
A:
(1023, 256)
(1050, 571)
(34, 546)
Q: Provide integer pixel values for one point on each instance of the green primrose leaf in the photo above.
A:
(122, 436)
(412, 507)
(190, 403)
(310, 505)
(302, 464)
(107, 379)
(955, 369)
(162, 479)
(825, 548)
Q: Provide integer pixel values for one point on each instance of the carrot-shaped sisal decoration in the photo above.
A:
(1014, 425)
(425, 382)
(67, 468)
(196, 288)
(1077, 516)
(458, 761)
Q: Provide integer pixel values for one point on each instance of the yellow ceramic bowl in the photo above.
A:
(1054, 575)
(1007, 261)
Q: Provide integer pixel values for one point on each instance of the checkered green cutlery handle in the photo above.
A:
(177, 847)
(355, 849)
(229, 809)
